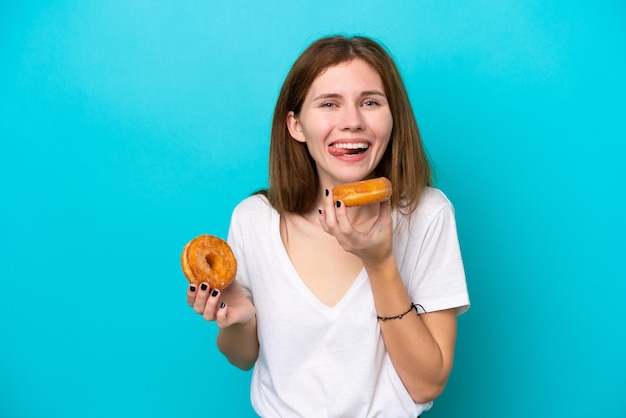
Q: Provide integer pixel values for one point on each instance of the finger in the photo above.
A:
(384, 222)
(221, 316)
(384, 216)
(211, 303)
(341, 227)
(202, 294)
(385, 210)
(341, 216)
(322, 219)
(191, 294)
(330, 221)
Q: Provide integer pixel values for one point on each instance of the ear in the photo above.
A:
(295, 128)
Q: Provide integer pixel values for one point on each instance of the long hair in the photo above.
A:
(293, 180)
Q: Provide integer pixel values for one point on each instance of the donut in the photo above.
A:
(363, 192)
(209, 259)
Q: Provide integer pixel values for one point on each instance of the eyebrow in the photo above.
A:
(337, 95)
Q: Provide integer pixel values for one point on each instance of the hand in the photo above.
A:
(226, 308)
(373, 243)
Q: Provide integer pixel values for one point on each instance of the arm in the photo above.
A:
(239, 343)
(235, 316)
(421, 347)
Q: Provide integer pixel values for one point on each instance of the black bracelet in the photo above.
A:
(413, 307)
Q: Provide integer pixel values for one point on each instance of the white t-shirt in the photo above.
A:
(321, 361)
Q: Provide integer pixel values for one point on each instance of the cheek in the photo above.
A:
(317, 130)
(384, 127)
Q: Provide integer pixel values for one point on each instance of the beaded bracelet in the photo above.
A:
(413, 307)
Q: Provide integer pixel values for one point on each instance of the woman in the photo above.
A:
(342, 311)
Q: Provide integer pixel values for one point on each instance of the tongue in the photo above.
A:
(337, 152)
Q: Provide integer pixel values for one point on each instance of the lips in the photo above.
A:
(347, 148)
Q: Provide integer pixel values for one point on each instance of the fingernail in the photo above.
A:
(338, 204)
(192, 288)
(223, 305)
(327, 192)
(214, 292)
(203, 286)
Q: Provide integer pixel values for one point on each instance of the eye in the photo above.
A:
(327, 104)
(370, 103)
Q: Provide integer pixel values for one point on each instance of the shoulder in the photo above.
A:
(253, 205)
(252, 212)
(434, 207)
(432, 203)
(251, 217)
(433, 200)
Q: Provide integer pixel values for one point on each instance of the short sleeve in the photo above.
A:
(438, 280)
(236, 241)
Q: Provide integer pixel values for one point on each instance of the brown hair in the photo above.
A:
(293, 179)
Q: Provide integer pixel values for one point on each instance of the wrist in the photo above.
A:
(383, 268)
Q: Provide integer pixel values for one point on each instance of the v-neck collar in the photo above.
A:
(293, 276)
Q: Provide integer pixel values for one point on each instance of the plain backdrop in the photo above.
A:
(128, 127)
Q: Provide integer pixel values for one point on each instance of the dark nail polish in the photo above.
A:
(223, 305)
(203, 286)
(192, 288)
(338, 203)
(327, 192)
(214, 292)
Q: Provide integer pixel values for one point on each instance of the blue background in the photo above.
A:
(128, 127)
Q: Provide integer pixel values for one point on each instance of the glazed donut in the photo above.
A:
(363, 192)
(209, 259)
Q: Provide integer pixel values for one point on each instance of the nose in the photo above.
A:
(351, 119)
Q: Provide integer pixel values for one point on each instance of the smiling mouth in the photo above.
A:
(343, 148)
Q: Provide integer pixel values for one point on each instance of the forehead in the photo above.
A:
(355, 74)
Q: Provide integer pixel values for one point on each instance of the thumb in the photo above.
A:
(384, 215)
(221, 316)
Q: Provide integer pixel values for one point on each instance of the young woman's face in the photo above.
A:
(345, 122)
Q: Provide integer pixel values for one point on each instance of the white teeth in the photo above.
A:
(358, 145)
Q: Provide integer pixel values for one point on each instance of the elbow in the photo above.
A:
(427, 393)
(244, 365)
